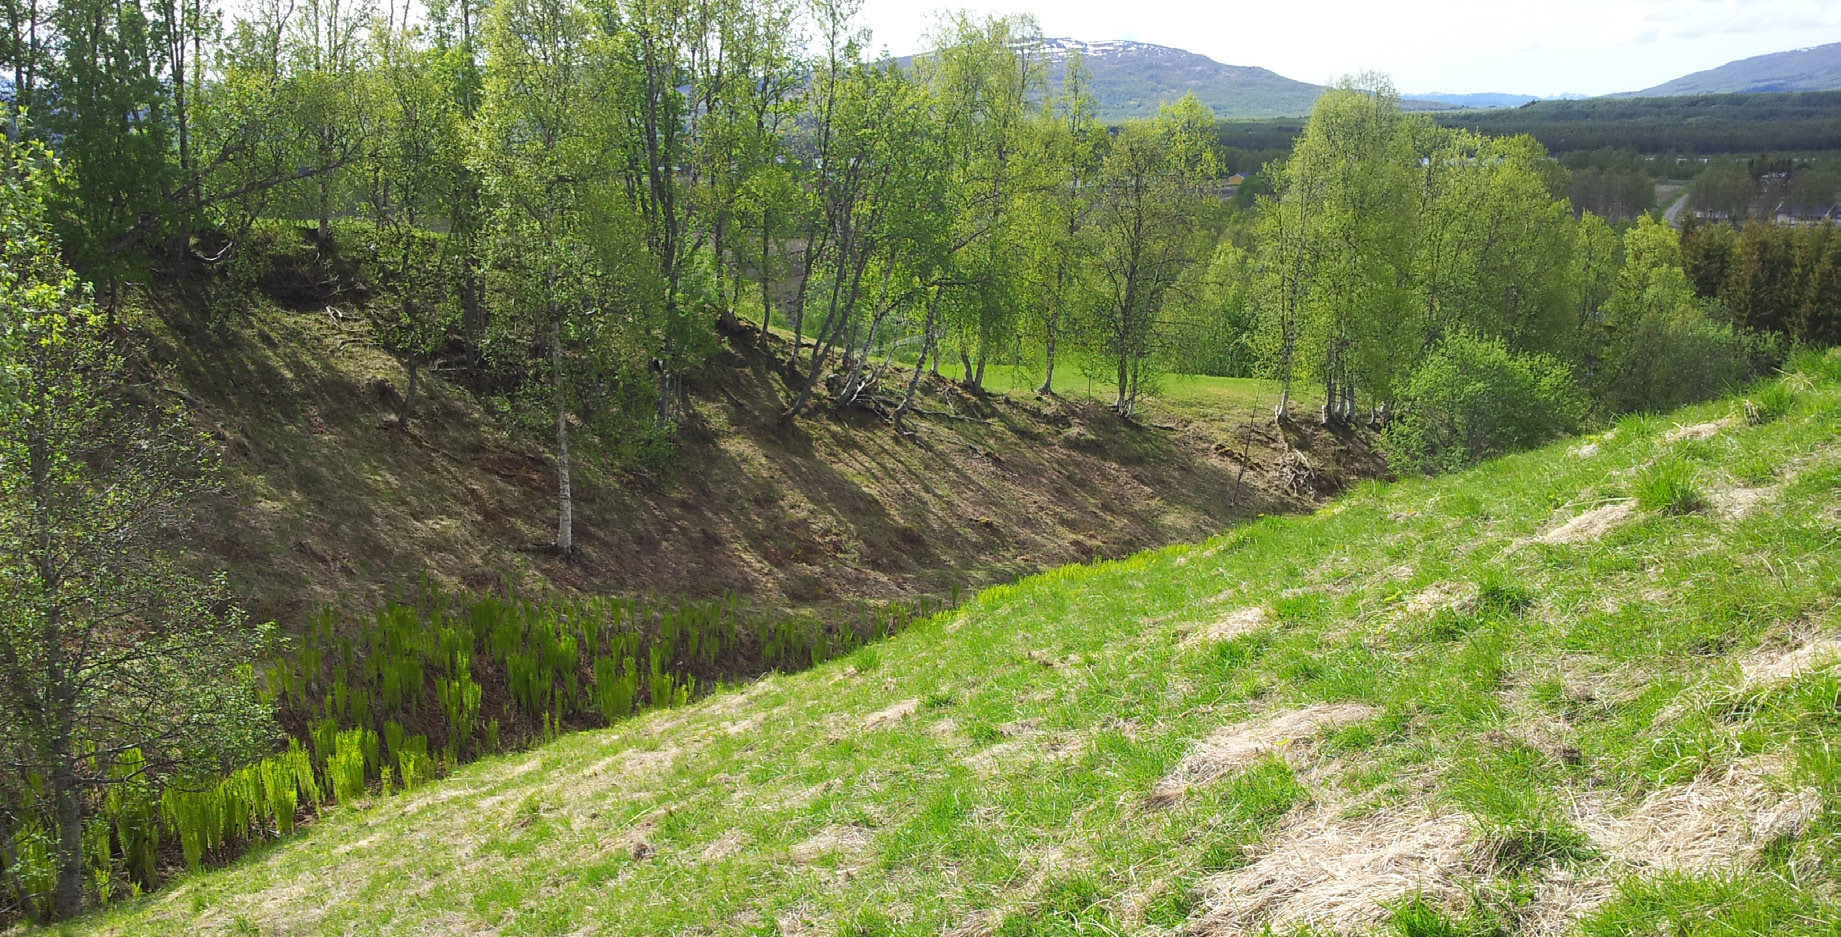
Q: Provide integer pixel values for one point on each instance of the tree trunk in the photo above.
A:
(1283, 408)
(1122, 404)
(766, 276)
(325, 208)
(565, 501)
(1048, 373)
(67, 898)
(409, 394)
(907, 400)
(472, 309)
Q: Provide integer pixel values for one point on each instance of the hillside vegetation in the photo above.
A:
(1697, 123)
(1590, 686)
(580, 319)
(329, 502)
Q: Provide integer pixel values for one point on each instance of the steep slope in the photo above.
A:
(1817, 68)
(328, 502)
(1556, 691)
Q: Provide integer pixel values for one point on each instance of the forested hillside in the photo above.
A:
(384, 389)
(1702, 123)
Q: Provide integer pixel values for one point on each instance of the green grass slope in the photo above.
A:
(1591, 688)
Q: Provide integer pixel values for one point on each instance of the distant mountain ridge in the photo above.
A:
(1131, 79)
(1491, 99)
(1817, 68)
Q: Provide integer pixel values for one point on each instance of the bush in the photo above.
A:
(1666, 363)
(1473, 398)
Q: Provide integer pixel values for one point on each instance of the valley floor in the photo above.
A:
(1535, 697)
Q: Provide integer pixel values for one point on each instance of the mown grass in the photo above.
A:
(989, 770)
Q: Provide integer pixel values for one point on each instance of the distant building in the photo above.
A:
(1237, 179)
(1806, 213)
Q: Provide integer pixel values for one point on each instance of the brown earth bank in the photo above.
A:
(327, 501)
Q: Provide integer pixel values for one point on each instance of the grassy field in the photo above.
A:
(1589, 688)
(1187, 395)
(1183, 395)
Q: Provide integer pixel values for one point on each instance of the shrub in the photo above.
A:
(1473, 398)
(1668, 486)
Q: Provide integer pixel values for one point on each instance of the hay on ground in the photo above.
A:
(1705, 430)
(848, 840)
(1714, 823)
(1778, 665)
(891, 714)
(1243, 622)
(1590, 526)
(1439, 597)
(1341, 874)
(1738, 503)
(1243, 744)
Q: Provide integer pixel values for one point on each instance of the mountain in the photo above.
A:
(1485, 99)
(1817, 68)
(1540, 696)
(1130, 79)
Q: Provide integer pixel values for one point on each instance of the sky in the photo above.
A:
(1541, 47)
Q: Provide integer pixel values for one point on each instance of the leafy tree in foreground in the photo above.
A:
(1149, 229)
(116, 664)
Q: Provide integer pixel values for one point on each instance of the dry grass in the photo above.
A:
(1441, 597)
(893, 713)
(1237, 624)
(1777, 665)
(1244, 744)
(1717, 823)
(1707, 430)
(1592, 525)
(1739, 503)
(1325, 871)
